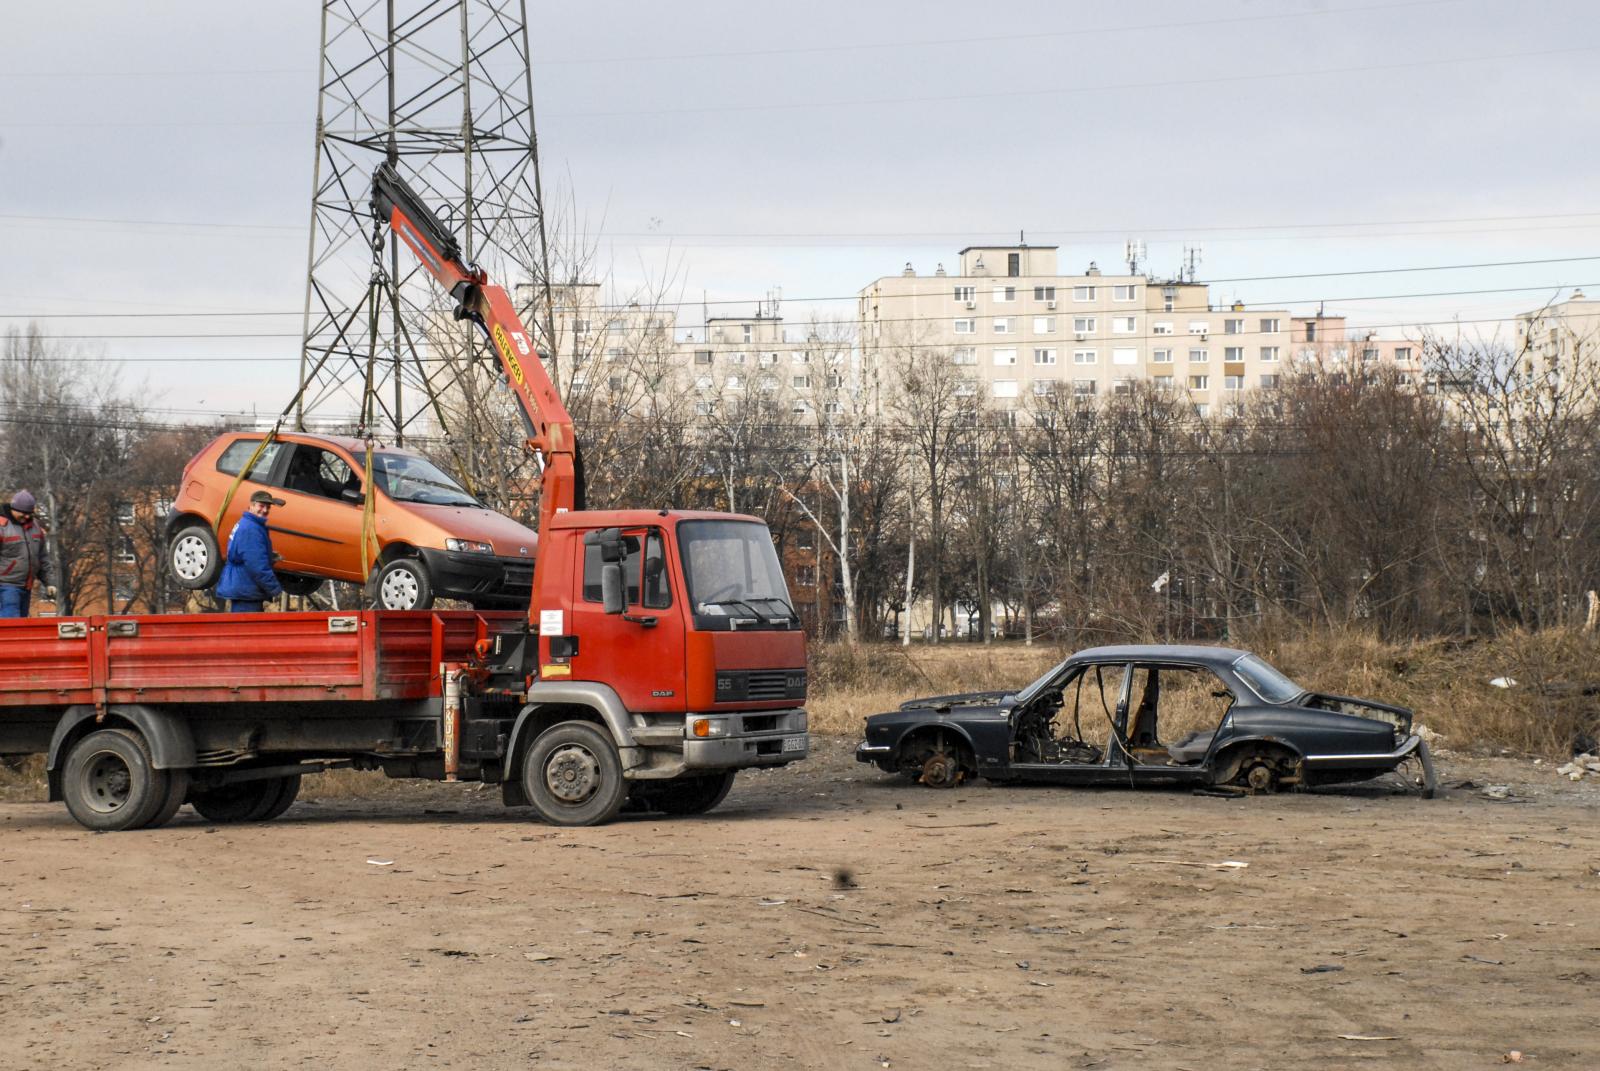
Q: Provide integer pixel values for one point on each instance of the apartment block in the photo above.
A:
(1562, 333)
(1326, 342)
(1022, 328)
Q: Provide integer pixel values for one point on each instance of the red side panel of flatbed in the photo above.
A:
(369, 656)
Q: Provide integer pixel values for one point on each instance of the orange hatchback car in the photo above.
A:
(434, 539)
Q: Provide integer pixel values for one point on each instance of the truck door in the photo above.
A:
(639, 653)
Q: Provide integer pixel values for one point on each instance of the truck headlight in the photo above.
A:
(704, 727)
(469, 546)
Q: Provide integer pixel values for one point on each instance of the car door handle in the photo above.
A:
(647, 622)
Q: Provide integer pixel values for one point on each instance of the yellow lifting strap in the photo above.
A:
(369, 533)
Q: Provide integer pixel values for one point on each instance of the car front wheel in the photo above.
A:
(193, 558)
(402, 584)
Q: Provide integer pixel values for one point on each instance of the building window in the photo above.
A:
(700, 356)
(1311, 331)
(733, 383)
(1199, 382)
(614, 327)
(1125, 356)
(1083, 387)
(1233, 327)
(1199, 356)
(1005, 388)
(1124, 325)
(799, 357)
(749, 333)
(1044, 388)
(832, 408)
(1202, 410)
(960, 355)
(1369, 353)
(1269, 380)
(125, 513)
(1169, 298)
(1402, 353)
(1083, 293)
(1005, 325)
(1125, 293)
(1005, 293)
(1269, 326)
(1233, 353)
(1199, 327)
(1013, 264)
(966, 293)
(766, 360)
(1044, 356)
(802, 382)
(1161, 356)
(736, 358)
(835, 380)
(1269, 354)
(966, 389)
(1083, 325)
(1163, 327)
(1005, 357)
(1044, 293)
(1161, 382)
(805, 576)
(1085, 357)
(1122, 386)
(965, 327)
(1233, 383)
(1044, 325)
(702, 383)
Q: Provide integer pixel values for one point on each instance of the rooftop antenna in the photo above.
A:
(1191, 263)
(1133, 252)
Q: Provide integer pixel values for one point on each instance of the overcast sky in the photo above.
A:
(156, 157)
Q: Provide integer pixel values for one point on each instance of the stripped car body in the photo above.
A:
(1249, 727)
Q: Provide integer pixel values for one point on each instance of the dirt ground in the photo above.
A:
(825, 916)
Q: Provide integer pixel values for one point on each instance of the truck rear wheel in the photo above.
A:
(573, 777)
(288, 792)
(109, 782)
(693, 795)
(177, 792)
(242, 801)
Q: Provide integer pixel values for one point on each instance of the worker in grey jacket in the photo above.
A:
(24, 555)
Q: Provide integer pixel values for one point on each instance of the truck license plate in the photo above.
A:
(794, 743)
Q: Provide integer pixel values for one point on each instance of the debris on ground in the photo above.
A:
(1581, 766)
(1497, 792)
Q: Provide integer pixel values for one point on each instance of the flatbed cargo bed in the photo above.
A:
(363, 656)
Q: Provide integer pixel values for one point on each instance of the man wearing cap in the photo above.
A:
(247, 578)
(24, 555)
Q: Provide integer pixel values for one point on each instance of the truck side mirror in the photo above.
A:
(609, 540)
(611, 593)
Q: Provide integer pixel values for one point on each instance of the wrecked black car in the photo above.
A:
(1210, 717)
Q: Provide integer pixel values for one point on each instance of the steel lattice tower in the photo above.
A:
(444, 90)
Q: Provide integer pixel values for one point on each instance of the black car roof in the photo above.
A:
(1169, 652)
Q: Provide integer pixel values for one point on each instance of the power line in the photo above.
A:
(949, 281)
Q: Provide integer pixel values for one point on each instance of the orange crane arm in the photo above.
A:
(545, 418)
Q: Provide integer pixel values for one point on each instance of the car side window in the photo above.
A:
(238, 452)
(315, 471)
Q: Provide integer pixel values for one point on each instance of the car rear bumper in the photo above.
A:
(1386, 760)
(479, 577)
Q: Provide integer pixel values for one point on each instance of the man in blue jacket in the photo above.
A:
(247, 577)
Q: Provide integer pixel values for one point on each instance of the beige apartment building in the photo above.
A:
(1563, 333)
(1326, 341)
(1022, 328)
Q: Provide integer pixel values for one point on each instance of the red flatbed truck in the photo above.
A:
(660, 655)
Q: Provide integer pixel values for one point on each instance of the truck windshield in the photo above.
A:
(406, 478)
(732, 570)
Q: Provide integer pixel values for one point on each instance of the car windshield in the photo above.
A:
(1265, 681)
(1027, 693)
(732, 568)
(407, 478)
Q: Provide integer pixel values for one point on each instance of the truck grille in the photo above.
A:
(762, 685)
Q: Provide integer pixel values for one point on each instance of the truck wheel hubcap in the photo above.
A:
(108, 781)
(189, 557)
(572, 775)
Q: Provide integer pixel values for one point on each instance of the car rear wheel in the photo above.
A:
(193, 558)
(402, 584)
(938, 761)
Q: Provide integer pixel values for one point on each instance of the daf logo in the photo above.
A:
(523, 551)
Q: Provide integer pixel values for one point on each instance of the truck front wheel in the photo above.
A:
(109, 782)
(573, 777)
(693, 795)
